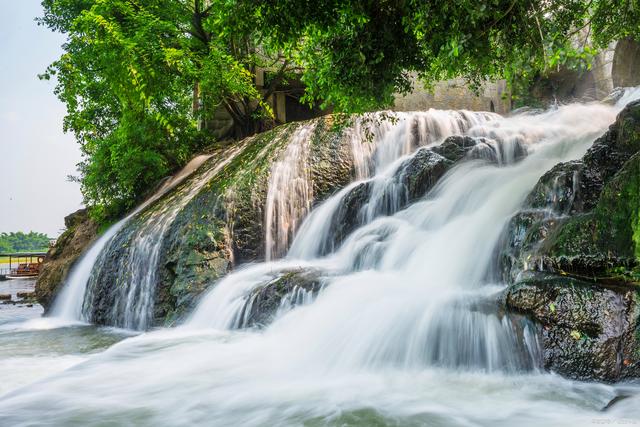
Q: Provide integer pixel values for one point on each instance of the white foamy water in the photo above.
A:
(404, 332)
(289, 194)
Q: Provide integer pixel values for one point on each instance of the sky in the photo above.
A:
(35, 155)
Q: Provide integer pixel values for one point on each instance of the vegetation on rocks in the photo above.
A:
(216, 218)
(573, 254)
(588, 331)
(265, 300)
(582, 217)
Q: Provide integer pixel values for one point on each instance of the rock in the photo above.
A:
(615, 401)
(5, 297)
(419, 174)
(26, 295)
(413, 179)
(573, 252)
(80, 233)
(589, 331)
(265, 301)
(581, 217)
(222, 225)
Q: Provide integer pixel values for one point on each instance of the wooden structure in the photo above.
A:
(27, 264)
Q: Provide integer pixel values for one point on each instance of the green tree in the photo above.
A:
(356, 54)
(137, 79)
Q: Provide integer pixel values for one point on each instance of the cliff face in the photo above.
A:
(80, 233)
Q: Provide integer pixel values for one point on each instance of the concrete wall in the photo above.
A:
(455, 95)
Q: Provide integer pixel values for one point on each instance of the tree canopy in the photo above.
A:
(141, 79)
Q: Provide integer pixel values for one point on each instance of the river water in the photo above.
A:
(401, 334)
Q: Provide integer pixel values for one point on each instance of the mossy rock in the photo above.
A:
(587, 331)
(609, 235)
(267, 299)
(587, 211)
(222, 224)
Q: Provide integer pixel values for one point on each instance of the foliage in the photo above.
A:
(23, 242)
(142, 79)
(357, 54)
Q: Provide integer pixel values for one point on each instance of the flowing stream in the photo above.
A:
(404, 329)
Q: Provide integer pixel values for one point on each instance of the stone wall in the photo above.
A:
(456, 95)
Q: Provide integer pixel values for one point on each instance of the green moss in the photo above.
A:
(612, 229)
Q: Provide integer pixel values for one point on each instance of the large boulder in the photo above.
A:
(573, 255)
(588, 330)
(582, 217)
(287, 290)
(80, 232)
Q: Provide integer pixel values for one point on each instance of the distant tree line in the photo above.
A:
(23, 242)
(140, 78)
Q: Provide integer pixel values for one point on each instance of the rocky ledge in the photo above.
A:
(79, 234)
(572, 256)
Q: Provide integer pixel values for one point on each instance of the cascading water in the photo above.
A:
(137, 267)
(378, 148)
(68, 306)
(290, 194)
(406, 305)
(408, 285)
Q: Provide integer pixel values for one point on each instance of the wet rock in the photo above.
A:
(588, 331)
(607, 236)
(349, 216)
(572, 253)
(221, 225)
(413, 179)
(419, 174)
(615, 401)
(5, 297)
(455, 147)
(291, 288)
(80, 233)
(580, 217)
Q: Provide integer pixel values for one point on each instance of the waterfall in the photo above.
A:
(68, 305)
(137, 266)
(409, 287)
(404, 328)
(379, 144)
(289, 193)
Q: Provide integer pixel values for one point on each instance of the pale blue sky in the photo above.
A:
(35, 155)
